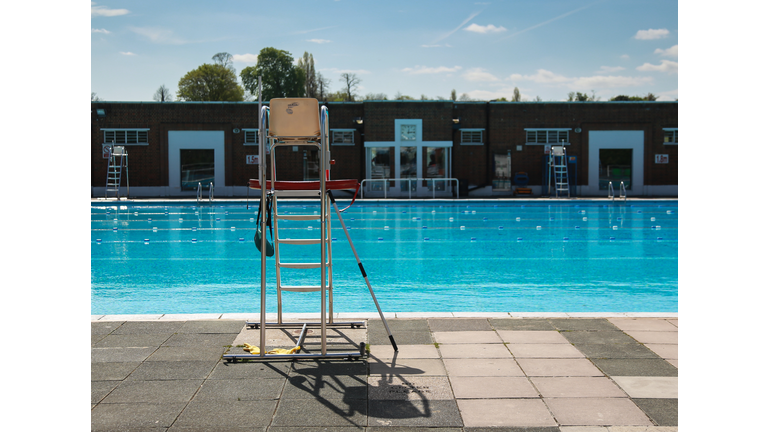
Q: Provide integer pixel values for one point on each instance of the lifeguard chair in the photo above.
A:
(301, 122)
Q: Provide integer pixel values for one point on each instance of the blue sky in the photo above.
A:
(484, 49)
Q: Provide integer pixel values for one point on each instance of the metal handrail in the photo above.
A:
(210, 192)
(622, 191)
(199, 192)
(409, 180)
(610, 191)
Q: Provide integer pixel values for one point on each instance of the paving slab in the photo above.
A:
(113, 417)
(104, 328)
(574, 387)
(597, 411)
(112, 371)
(172, 370)
(497, 350)
(536, 324)
(380, 337)
(154, 391)
(597, 337)
(654, 337)
(558, 367)
(641, 429)
(385, 352)
(407, 429)
(648, 387)
(216, 429)
(121, 354)
(199, 340)
(663, 412)
(636, 367)
(328, 387)
(319, 429)
(634, 324)
(466, 337)
(499, 387)
(412, 413)
(186, 353)
(503, 367)
(531, 336)
(251, 369)
(211, 414)
(505, 413)
(321, 412)
(148, 327)
(414, 388)
(582, 324)
(397, 325)
(616, 351)
(100, 389)
(241, 389)
(667, 352)
(516, 429)
(426, 367)
(556, 350)
(459, 324)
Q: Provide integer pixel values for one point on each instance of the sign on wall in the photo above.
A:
(252, 159)
(105, 151)
(662, 158)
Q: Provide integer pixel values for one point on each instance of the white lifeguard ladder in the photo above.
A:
(558, 165)
(295, 122)
(117, 159)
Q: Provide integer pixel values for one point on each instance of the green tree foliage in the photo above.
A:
(376, 96)
(516, 95)
(582, 97)
(307, 64)
(210, 82)
(279, 77)
(649, 97)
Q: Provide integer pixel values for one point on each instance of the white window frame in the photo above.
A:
(126, 132)
(471, 132)
(548, 131)
(674, 134)
(343, 133)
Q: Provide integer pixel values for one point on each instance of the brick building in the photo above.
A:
(173, 146)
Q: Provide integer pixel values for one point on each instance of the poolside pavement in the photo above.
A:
(546, 373)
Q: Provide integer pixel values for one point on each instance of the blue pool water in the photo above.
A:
(472, 256)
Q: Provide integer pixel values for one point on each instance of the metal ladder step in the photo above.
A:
(301, 288)
(299, 241)
(298, 217)
(299, 265)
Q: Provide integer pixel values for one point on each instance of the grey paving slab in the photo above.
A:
(318, 429)
(103, 328)
(148, 327)
(596, 411)
(120, 354)
(114, 417)
(326, 387)
(654, 337)
(321, 412)
(424, 367)
(95, 338)
(241, 389)
(386, 352)
(212, 326)
(556, 350)
(409, 388)
(170, 391)
(466, 337)
(498, 387)
(505, 413)
(172, 370)
(407, 429)
(112, 371)
(218, 429)
(552, 387)
(648, 387)
(497, 350)
(485, 367)
(459, 324)
(412, 413)
(582, 324)
(663, 412)
(133, 340)
(186, 353)
(254, 369)
(200, 339)
(535, 324)
(531, 336)
(398, 325)
(597, 337)
(558, 367)
(665, 351)
(100, 389)
(329, 367)
(616, 351)
(633, 324)
(210, 414)
(376, 337)
(636, 367)
(518, 429)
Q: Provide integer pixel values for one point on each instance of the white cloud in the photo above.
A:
(490, 28)
(158, 35)
(245, 58)
(610, 69)
(625, 56)
(105, 11)
(651, 34)
(669, 52)
(667, 66)
(596, 82)
(127, 53)
(105, 31)
(479, 74)
(318, 41)
(418, 70)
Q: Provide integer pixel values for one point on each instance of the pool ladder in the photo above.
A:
(200, 192)
(117, 158)
(558, 162)
(622, 191)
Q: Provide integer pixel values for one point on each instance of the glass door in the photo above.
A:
(196, 167)
(437, 161)
(408, 168)
(615, 167)
(379, 167)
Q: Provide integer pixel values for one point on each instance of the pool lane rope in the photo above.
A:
(362, 270)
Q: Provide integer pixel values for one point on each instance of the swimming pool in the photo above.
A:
(425, 256)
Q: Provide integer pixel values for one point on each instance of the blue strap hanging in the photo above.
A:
(257, 237)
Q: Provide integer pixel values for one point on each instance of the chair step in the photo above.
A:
(298, 217)
(299, 288)
(299, 265)
(299, 241)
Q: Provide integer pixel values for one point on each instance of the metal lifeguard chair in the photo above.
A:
(301, 122)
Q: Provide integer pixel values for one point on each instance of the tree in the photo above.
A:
(400, 96)
(279, 77)
(163, 94)
(516, 95)
(323, 86)
(465, 97)
(94, 98)
(210, 82)
(307, 64)
(224, 59)
(582, 97)
(350, 81)
(376, 96)
(649, 97)
(453, 94)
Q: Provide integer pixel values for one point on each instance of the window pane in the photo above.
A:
(502, 172)
(109, 136)
(530, 136)
(196, 167)
(143, 137)
(250, 137)
(131, 137)
(615, 167)
(541, 137)
(120, 137)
